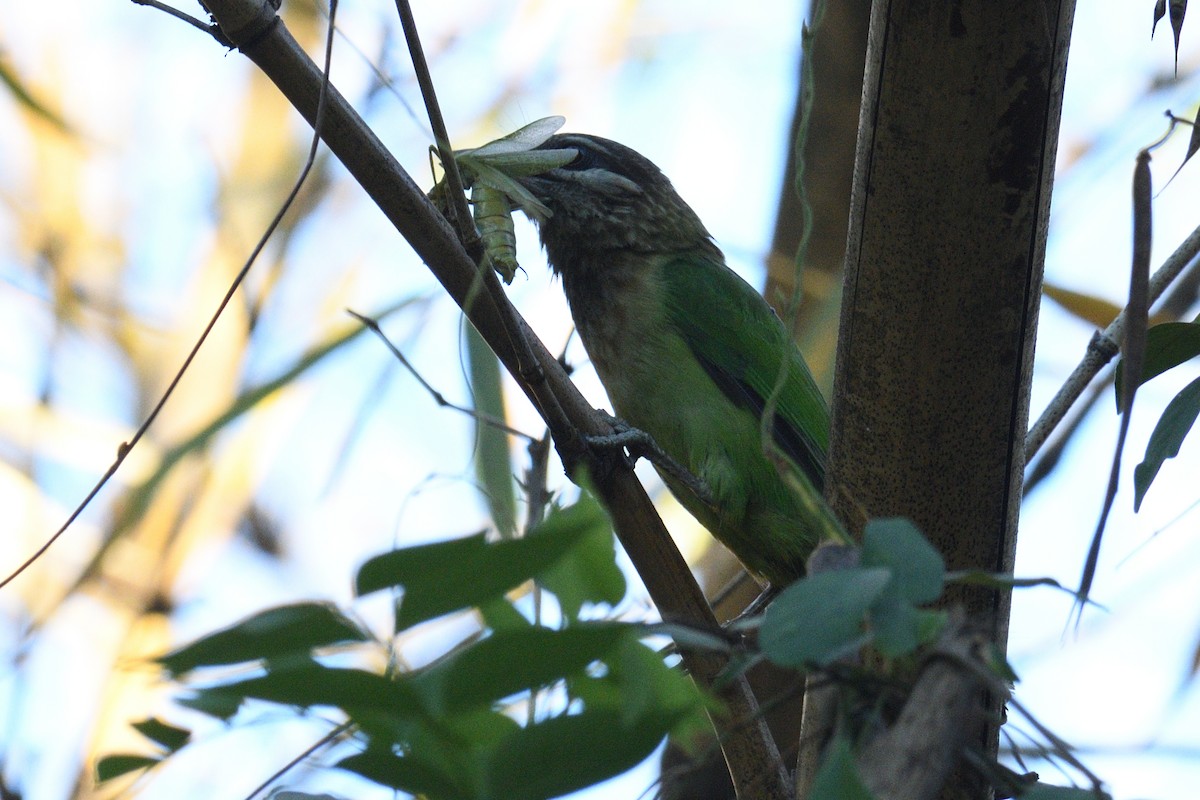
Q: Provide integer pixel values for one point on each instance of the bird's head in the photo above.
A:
(609, 200)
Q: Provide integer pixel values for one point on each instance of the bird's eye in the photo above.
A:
(586, 159)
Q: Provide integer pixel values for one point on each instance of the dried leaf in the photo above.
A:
(1193, 146)
(1091, 309)
(1134, 347)
(1178, 9)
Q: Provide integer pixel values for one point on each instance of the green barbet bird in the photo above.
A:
(688, 352)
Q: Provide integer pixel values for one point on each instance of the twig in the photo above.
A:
(125, 448)
(1056, 445)
(570, 417)
(528, 367)
(1176, 302)
(437, 396)
(212, 30)
(1103, 347)
(1133, 344)
(537, 494)
(460, 213)
(308, 751)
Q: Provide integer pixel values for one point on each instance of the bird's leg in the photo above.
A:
(744, 619)
(757, 605)
(642, 445)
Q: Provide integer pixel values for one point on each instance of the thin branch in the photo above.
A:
(125, 448)
(459, 212)
(1134, 346)
(1175, 303)
(528, 366)
(569, 416)
(1104, 346)
(308, 751)
(188, 18)
(437, 396)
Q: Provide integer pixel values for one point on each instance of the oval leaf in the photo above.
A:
(409, 773)
(115, 766)
(837, 778)
(566, 753)
(918, 572)
(448, 576)
(168, 736)
(1167, 346)
(509, 662)
(1174, 425)
(820, 618)
(275, 633)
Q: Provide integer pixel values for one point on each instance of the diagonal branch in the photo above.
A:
(1104, 346)
(259, 34)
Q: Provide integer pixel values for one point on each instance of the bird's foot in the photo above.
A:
(623, 437)
(640, 444)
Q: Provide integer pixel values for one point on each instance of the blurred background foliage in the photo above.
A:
(139, 165)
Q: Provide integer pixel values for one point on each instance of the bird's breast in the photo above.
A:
(651, 376)
(619, 311)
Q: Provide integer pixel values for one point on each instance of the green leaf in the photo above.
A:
(493, 464)
(364, 696)
(589, 572)
(408, 773)
(212, 703)
(898, 627)
(1001, 580)
(448, 576)
(918, 572)
(159, 732)
(820, 618)
(1176, 422)
(467, 735)
(275, 633)
(509, 662)
(440, 756)
(650, 688)
(918, 576)
(567, 753)
(837, 778)
(501, 615)
(115, 766)
(1167, 346)
(1042, 791)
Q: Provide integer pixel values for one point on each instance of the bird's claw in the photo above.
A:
(640, 444)
(624, 437)
(757, 606)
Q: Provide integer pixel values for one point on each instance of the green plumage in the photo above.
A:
(687, 351)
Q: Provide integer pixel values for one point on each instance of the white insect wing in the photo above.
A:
(522, 139)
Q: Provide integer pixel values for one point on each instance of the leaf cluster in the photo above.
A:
(866, 625)
(451, 729)
(830, 615)
(1168, 346)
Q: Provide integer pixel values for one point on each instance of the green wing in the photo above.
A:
(741, 343)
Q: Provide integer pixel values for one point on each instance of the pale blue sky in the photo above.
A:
(703, 89)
